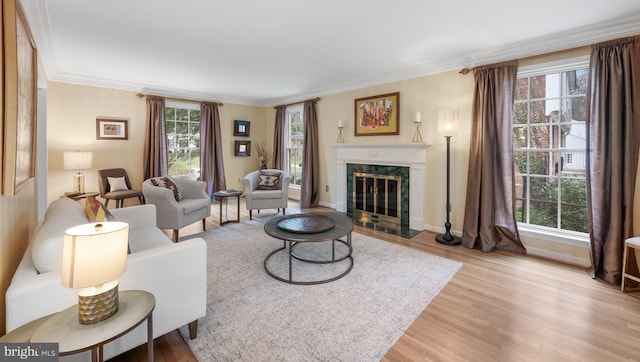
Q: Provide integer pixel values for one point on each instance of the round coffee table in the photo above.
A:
(310, 228)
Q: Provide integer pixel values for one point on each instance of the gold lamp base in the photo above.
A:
(94, 308)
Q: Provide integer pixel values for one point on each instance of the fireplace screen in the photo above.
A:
(376, 198)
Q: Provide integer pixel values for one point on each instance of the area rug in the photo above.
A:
(254, 317)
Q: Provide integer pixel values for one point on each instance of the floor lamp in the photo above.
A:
(448, 126)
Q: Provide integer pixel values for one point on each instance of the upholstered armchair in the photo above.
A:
(266, 189)
(179, 202)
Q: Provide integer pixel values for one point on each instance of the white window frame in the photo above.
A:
(187, 106)
(289, 110)
(567, 237)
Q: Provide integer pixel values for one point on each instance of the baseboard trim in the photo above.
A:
(564, 258)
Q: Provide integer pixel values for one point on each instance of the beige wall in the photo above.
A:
(72, 111)
(74, 107)
(448, 90)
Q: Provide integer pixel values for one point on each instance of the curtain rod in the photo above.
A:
(294, 103)
(571, 52)
(220, 104)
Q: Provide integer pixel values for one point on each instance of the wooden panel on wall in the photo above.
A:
(18, 100)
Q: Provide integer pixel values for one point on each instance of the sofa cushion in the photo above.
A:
(147, 238)
(167, 182)
(267, 194)
(46, 248)
(191, 205)
(268, 180)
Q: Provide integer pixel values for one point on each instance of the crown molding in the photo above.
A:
(36, 13)
(573, 38)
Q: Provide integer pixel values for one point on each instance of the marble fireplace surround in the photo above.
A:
(412, 155)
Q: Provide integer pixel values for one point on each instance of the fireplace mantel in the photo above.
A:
(412, 155)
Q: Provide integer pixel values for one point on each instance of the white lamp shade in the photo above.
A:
(77, 160)
(448, 122)
(94, 254)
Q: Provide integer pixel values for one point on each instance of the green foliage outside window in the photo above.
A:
(183, 142)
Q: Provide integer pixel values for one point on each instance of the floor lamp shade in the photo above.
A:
(448, 122)
(78, 161)
(93, 257)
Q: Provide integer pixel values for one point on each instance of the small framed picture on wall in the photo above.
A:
(241, 128)
(243, 148)
(112, 129)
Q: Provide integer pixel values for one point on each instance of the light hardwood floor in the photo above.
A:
(498, 307)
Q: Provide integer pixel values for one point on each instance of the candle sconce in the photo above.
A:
(340, 128)
(417, 136)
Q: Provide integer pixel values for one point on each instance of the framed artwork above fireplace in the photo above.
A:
(377, 115)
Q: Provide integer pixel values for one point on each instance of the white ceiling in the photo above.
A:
(279, 51)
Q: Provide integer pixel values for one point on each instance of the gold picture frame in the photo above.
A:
(19, 100)
(112, 129)
(378, 115)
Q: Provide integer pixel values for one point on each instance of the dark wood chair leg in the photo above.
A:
(193, 329)
(284, 211)
(250, 215)
(204, 224)
(175, 235)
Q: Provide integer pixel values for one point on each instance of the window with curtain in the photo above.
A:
(183, 139)
(549, 135)
(294, 143)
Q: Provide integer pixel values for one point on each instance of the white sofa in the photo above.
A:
(176, 274)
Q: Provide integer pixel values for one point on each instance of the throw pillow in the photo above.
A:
(117, 184)
(268, 180)
(96, 211)
(167, 182)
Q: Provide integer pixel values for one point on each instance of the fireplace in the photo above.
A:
(381, 185)
(378, 196)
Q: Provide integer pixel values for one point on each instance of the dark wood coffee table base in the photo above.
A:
(343, 227)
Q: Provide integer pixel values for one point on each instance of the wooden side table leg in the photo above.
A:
(150, 338)
(221, 200)
(238, 197)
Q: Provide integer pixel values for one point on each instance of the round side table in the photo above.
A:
(135, 306)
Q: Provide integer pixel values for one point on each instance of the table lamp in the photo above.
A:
(78, 161)
(93, 257)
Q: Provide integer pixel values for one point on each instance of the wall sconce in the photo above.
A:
(78, 161)
(340, 128)
(93, 257)
(417, 137)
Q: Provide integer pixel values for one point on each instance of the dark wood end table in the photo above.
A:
(223, 196)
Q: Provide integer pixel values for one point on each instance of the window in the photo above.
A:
(183, 140)
(294, 144)
(550, 148)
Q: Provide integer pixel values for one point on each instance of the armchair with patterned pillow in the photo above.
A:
(179, 202)
(266, 189)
